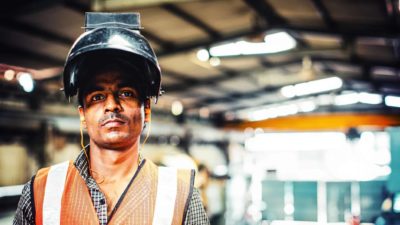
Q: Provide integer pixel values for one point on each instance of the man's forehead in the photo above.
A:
(111, 77)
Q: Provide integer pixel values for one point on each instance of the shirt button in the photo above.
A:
(102, 201)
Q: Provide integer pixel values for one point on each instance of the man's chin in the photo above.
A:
(116, 138)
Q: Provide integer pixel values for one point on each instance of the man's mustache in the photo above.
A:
(113, 115)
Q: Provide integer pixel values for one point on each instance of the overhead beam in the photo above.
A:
(165, 45)
(365, 65)
(192, 20)
(375, 85)
(351, 33)
(266, 12)
(324, 13)
(35, 31)
(364, 76)
(226, 75)
(30, 54)
(312, 122)
(359, 31)
(16, 8)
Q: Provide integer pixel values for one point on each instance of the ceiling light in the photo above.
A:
(203, 55)
(369, 98)
(318, 86)
(307, 106)
(26, 81)
(392, 101)
(305, 141)
(204, 112)
(288, 91)
(347, 99)
(221, 170)
(280, 41)
(8, 191)
(177, 108)
(312, 87)
(273, 112)
(276, 42)
(9, 74)
(215, 61)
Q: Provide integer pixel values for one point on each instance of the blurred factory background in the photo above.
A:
(288, 109)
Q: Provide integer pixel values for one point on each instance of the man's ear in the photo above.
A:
(82, 116)
(147, 111)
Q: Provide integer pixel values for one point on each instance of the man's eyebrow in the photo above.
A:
(93, 88)
(125, 84)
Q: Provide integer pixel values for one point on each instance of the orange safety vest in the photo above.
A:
(143, 202)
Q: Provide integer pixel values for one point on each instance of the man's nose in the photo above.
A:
(113, 104)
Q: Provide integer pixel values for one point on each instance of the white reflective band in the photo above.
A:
(166, 194)
(53, 193)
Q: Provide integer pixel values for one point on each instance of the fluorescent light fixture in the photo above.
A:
(276, 42)
(307, 106)
(312, 87)
(369, 98)
(26, 81)
(203, 55)
(288, 91)
(273, 112)
(215, 61)
(347, 99)
(176, 108)
(392, 101)
(288, 209)
(9, 74)
(11, 190)
(307, 141)
(221, 170)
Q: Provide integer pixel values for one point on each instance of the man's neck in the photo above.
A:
(109, 165)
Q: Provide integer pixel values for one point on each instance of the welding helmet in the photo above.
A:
(117, 37)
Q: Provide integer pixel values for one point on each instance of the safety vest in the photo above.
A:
(157, 196)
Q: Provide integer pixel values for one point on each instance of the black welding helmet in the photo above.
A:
(117, 37)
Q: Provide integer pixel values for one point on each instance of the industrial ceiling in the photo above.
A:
(357, 41)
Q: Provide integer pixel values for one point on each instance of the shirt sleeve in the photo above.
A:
(196, 215)
(24, 213)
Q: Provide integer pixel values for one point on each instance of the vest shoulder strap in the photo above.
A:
(174, 190)
(166, 196)
(48, 191)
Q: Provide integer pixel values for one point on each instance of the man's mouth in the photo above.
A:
(113, 123)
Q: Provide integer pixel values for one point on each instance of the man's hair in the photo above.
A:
(98, 64)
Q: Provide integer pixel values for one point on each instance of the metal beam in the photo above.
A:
(351, 33)
(368, 31)
(16, 8)
(192, 20)
(29, 54)
(376, 85)
(78, 6)
(35, 31)
(165, 45)
(324, 13)
(266, 12)
(364, 76)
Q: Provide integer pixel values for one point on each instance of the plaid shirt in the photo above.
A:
(25, 215)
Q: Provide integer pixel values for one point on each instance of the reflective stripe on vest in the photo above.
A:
(53, 193)
(166, 195)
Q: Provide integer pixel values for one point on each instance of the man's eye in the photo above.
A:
(97, 97)
(126, 94)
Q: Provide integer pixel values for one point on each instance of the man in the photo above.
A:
(115, 73)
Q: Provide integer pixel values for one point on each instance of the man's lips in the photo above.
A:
(113, 123)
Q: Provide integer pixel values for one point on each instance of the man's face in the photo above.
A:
(112, 111)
